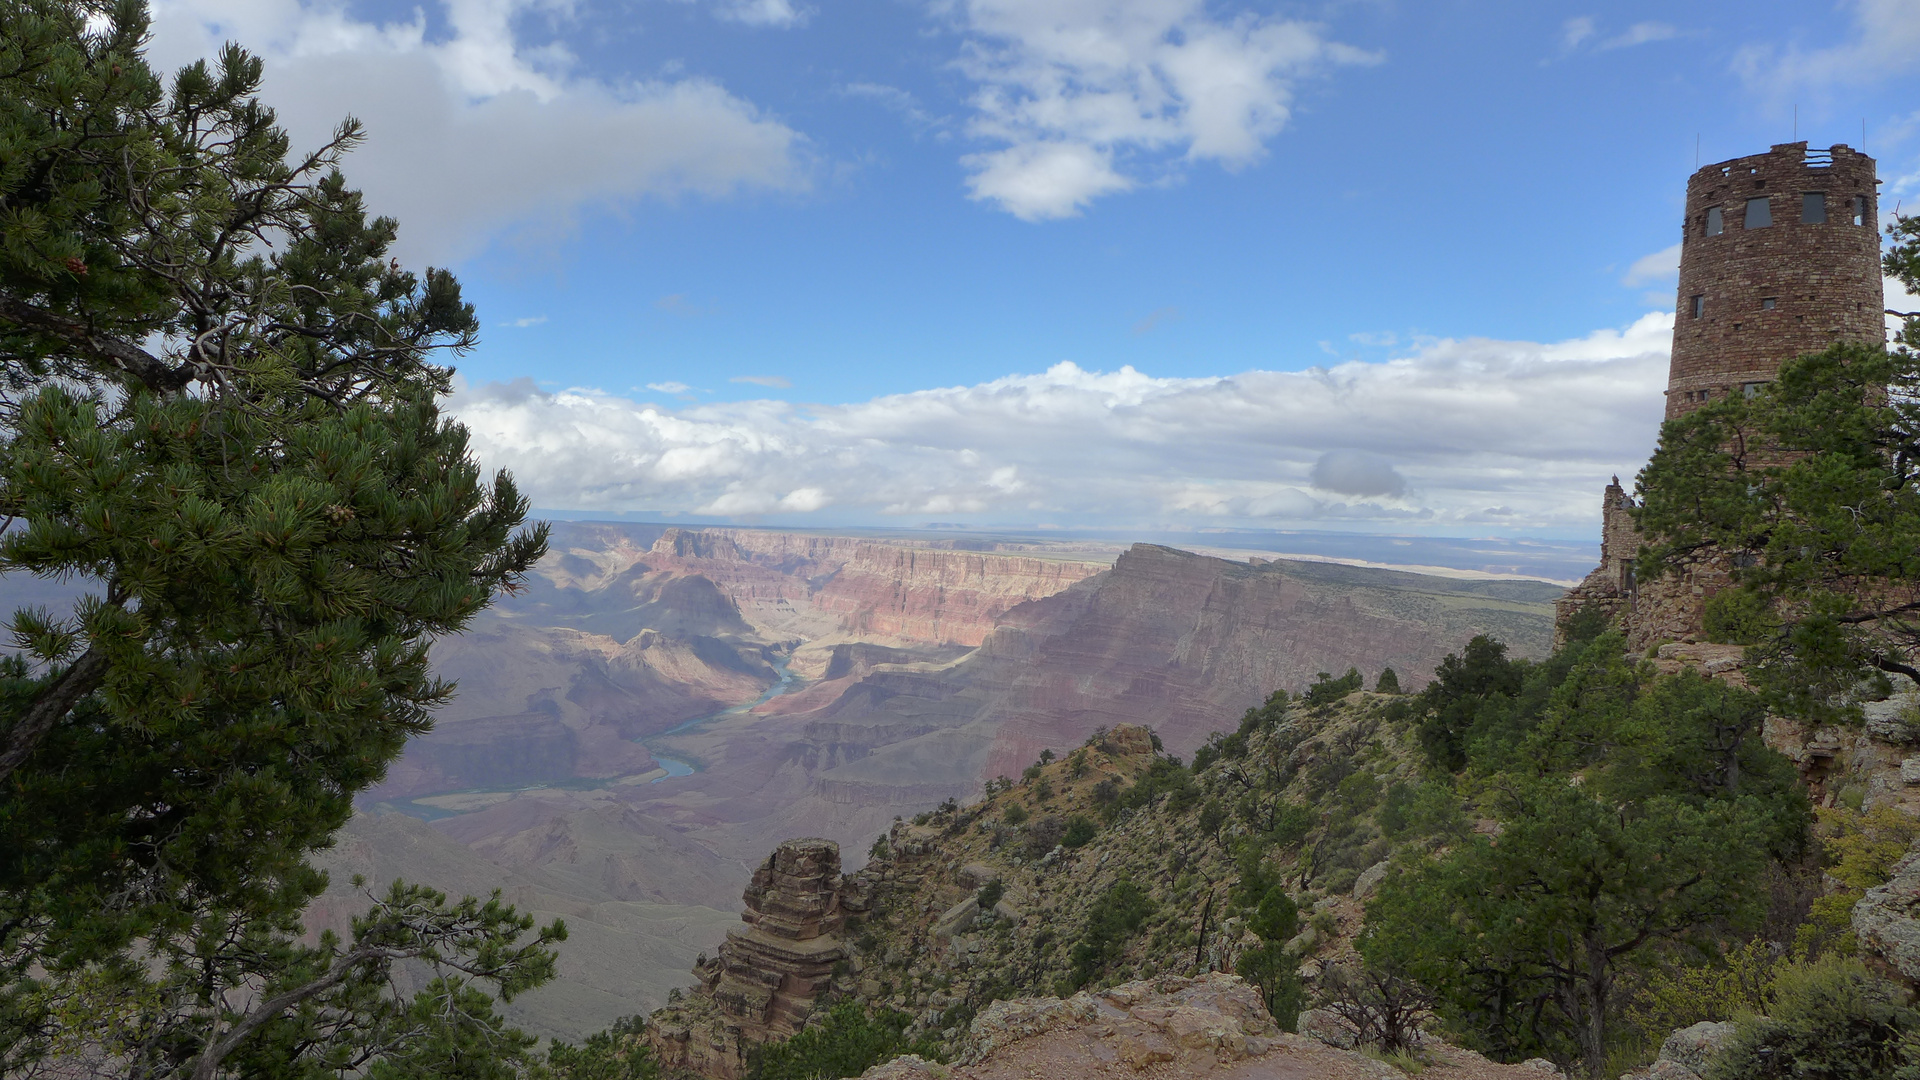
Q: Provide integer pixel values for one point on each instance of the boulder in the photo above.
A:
(1369, 880)
(975, 875)
(1695, 1047)
(957, 919)
(1329, 1027)
(1887, 918)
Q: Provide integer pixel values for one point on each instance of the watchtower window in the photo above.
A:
(1813, 207)
(1698, 304)
(1750, 389)
(1767, 303)
(1716, 221)
(1859, 209)
(1759, 214)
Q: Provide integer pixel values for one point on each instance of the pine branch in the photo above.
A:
(135, 361)
(54, 702)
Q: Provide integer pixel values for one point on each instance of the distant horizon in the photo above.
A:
(1558, 562)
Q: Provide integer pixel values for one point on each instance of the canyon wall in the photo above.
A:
(662, 706)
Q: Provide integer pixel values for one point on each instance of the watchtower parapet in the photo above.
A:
(1780, 257)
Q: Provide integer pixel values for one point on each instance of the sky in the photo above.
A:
(1398, 266)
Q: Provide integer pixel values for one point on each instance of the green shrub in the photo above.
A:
(1831, 1019)
(614, 1054)
(1112, 920)
(1738, 617)
(1014, 814)
(1164, 776)
(846, 1041)
(1277, 918)
(1277, 975)
(989, 895)
(1212, 816)
(1389, 683)
(1326, 689)
(1080, 829)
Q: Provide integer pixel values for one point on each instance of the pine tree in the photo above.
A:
(217, 415)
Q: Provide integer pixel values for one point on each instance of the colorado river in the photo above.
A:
(448, 803)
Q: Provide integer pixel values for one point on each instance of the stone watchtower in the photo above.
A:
(1779, 257)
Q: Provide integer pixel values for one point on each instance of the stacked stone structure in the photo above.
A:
(1780, 257)
(763, 983)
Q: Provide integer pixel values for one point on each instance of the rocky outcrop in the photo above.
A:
(1170, 1028)
(1688, 1052)
(1887, 919)
(763, 983)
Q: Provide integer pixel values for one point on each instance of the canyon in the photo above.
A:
(662, 706)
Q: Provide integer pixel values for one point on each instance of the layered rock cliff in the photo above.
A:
(763, 982)
(786, 584)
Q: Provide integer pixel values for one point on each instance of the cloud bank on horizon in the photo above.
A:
(1459, 434)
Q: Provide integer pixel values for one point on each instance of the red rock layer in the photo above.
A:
(910, 592)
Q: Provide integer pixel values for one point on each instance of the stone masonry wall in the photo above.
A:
(1774, 292)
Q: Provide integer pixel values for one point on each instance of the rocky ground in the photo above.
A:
(1172, 1028)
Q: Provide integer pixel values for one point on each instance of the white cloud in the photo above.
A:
(1356, 472)
(477, 134)
(763, 12)
(1640, 34)
(668, 387)
(1576, 30)
(1092, 97)
(522, 324)
(1447, 434)
(1662, 265)
(1885, 41)
(775, 382)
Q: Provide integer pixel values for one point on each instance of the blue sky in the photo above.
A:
(1379, 265)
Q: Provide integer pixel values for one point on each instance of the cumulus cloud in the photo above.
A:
(1449, 433)
(668, 387)
(474, 133)
(1089, 99)
(1885, 41)
(1356, 472)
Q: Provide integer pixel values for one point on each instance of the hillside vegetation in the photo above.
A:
(1566, 858)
